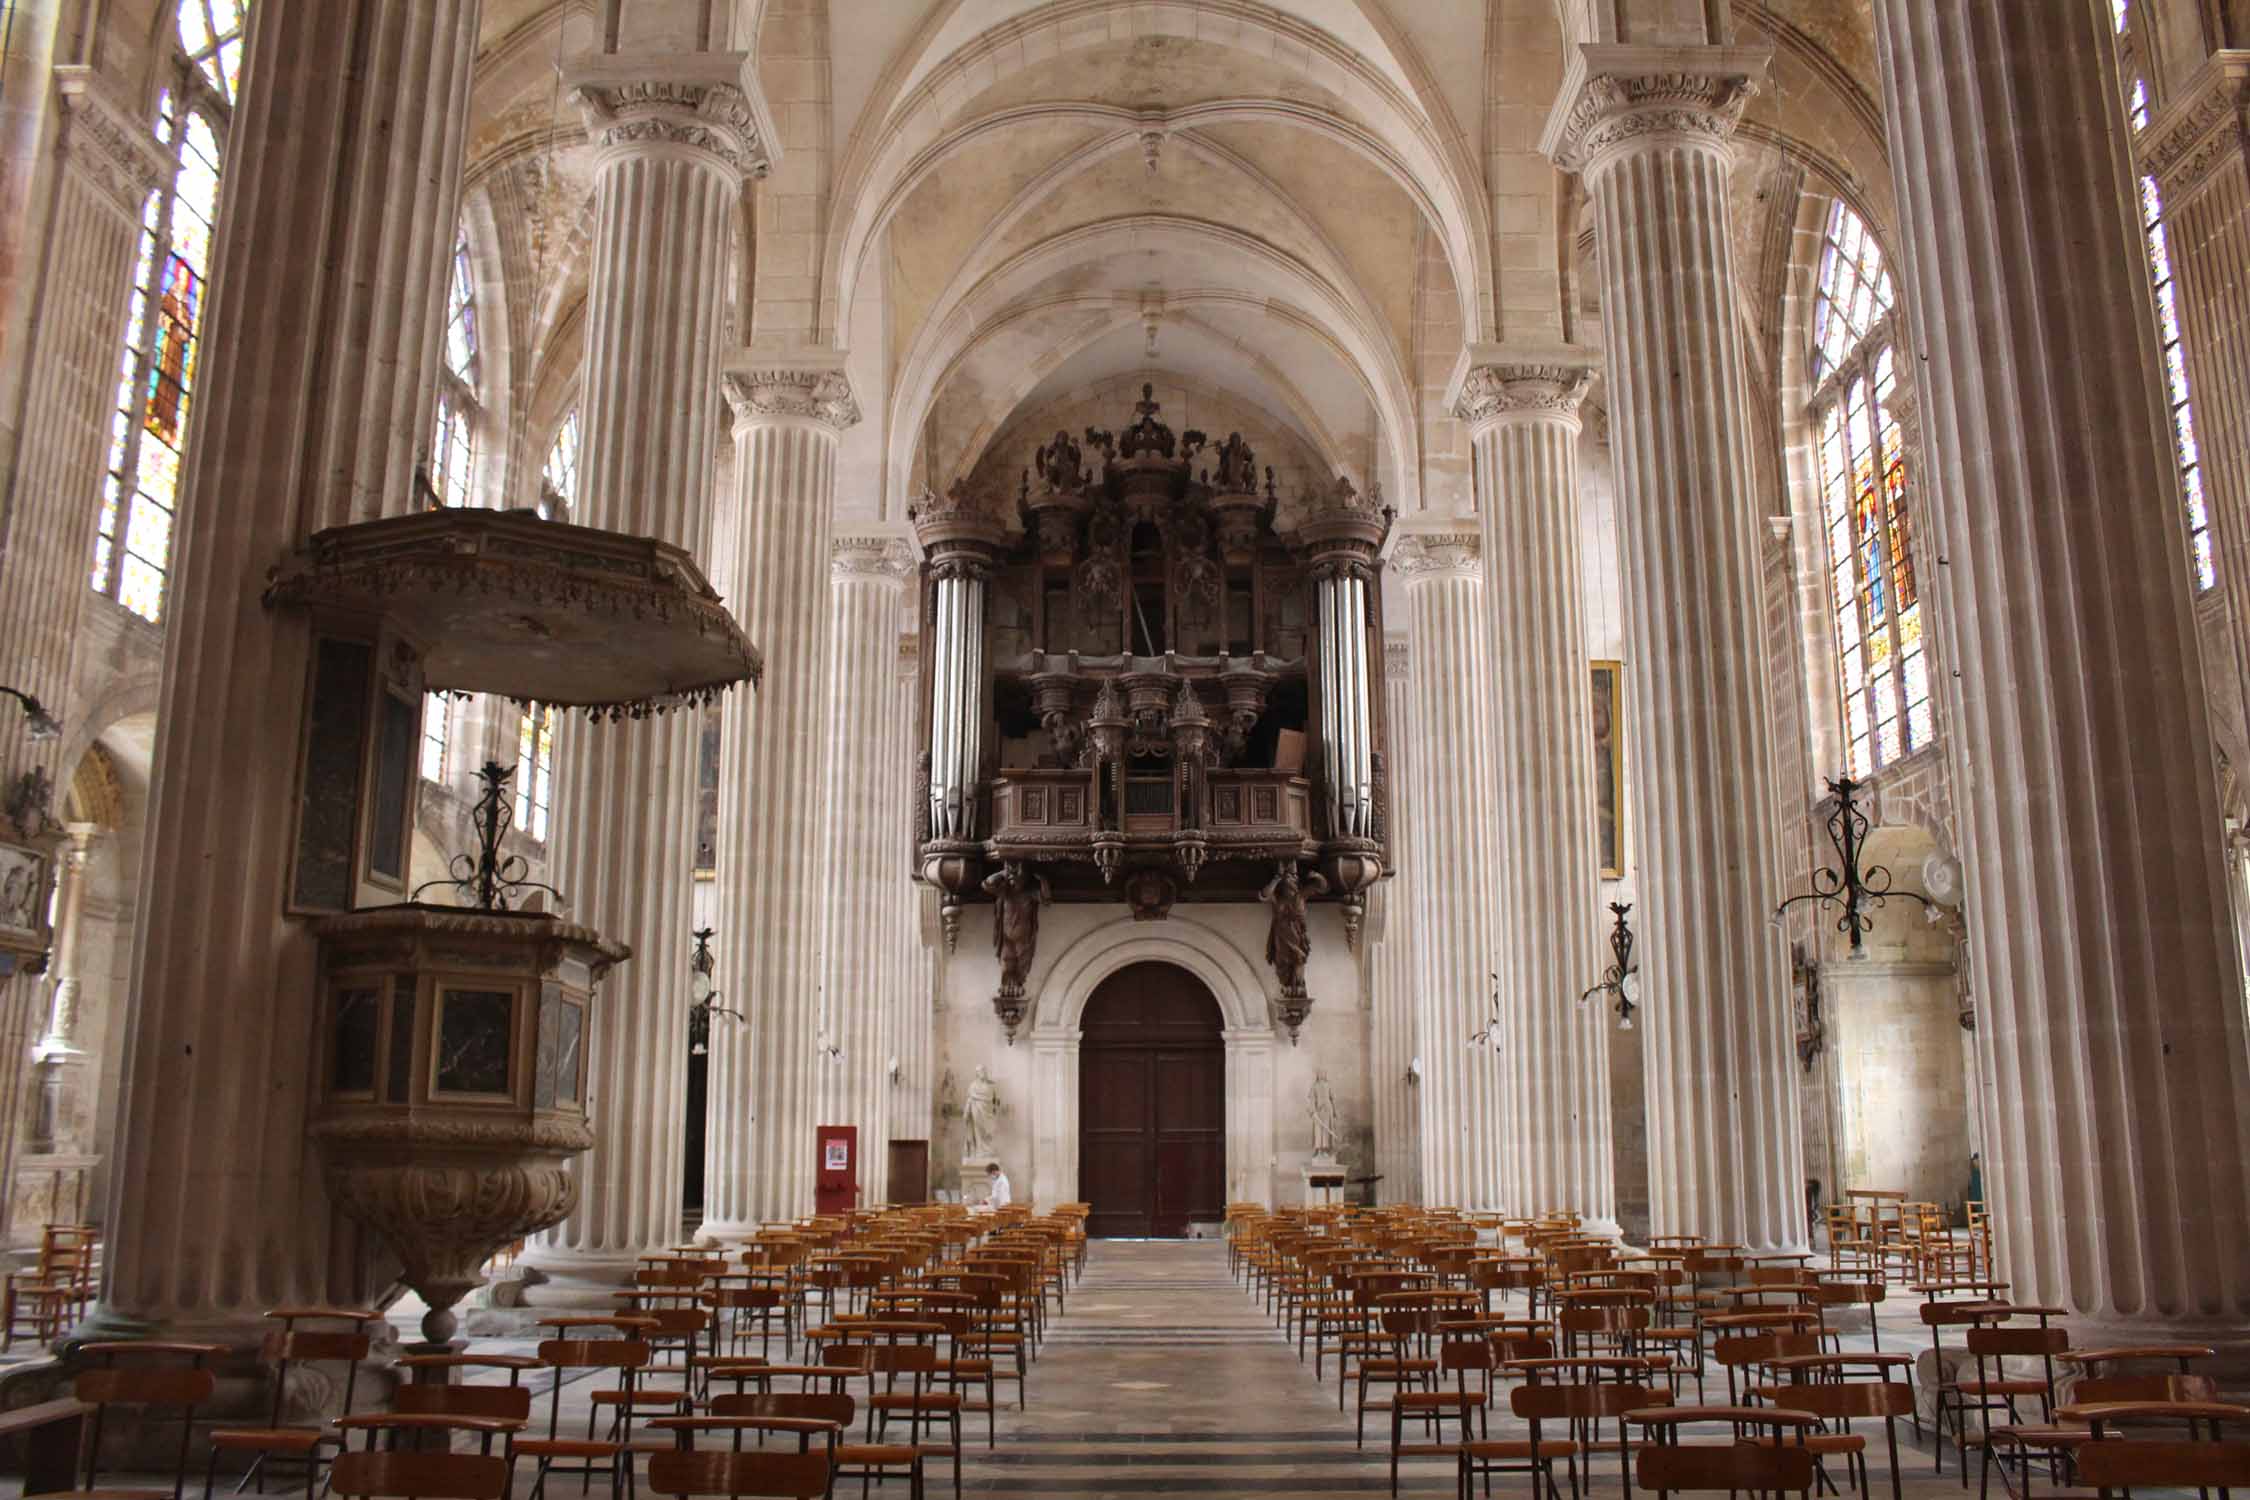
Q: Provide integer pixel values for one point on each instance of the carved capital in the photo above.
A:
(693, 103)
(1617, 96)
(2201, 130)
(875, 559)
(1491, 382)
(812, 392)
(1438, 554)
(102, 140)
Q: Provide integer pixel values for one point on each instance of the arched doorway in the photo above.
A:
(1152, 1103)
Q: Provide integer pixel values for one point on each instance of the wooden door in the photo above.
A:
(910, 1172)
(1151, 1104)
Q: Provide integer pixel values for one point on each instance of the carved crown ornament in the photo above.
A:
(1615, 95)
(1490, 392)
(812, 392)
(2201, 129)
(1438, 554)
(101, 138)
(714, 119)
(884, 559)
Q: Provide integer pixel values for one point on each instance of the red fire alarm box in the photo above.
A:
(836, 1170)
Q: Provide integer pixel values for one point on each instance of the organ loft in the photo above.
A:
(1154, 687)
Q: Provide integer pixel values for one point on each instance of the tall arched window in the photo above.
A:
(156, 377)
(1881, 665)
(453, 440)
(535, 769)
(559, 483)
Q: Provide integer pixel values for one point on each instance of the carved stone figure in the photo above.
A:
(1289, 940)
(1147, 434)
(1059, 466)
(1320, 1104)
(980, 1114)
(1238, 466)
(1016, 895)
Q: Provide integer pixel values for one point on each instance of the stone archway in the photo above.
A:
(1235, 980)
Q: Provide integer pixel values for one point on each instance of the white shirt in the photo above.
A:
(1002, 1195)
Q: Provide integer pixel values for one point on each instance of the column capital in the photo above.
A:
(1616, 95)
(783, 388)
(872, 558)
(1438, 554)
(1494, 382)
(703, 104)
(2201, 128)
(103, 139)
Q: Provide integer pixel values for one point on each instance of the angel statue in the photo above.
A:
(1289, 940)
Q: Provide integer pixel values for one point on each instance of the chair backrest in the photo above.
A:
(788, 1476)
(463, 1400)
(1757, 1349)
(819, 1406)
(2018, 1343)
(424, 1476)
(2150, 1465)
(1743, 1466)
(1558, 1402)
(144, 1386)
(2146, 1388)
(1851, 1398)
(608, 1354)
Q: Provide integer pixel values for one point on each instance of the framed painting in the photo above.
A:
(1609, 767)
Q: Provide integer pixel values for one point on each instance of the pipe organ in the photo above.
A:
(1145, 691)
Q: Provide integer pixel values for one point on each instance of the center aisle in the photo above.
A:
(1164, 1376)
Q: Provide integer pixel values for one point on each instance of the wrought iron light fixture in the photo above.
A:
(1414, 1071)
(1859, 891)
(38, 723)
(1488, 1035)
(703, 993)
(488, 880)
(1622, 981)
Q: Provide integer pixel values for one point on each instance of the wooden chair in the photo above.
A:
(787, 1476)
(1534, 1454)
(292, 1345)
(1837, 1405)
(2205, 1466)
(1668, 1469)
(420, 1476)
(156, 1388)
(1992, 1389)
(922, 1404)
(866, 1462)
(611, 1455)
(54, 1294)
(1434, 1408)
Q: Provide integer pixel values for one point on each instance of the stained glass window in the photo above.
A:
(455, 425)
(2176, 386)
(535, 769)
(164, 327)
(1882, 668)
(461, 315)
(437, 721)
(559, 484)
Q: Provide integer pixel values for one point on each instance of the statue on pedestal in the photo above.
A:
(980, 1115)
(1321, 1106)
(1288, 940)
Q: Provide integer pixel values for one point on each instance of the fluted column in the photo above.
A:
(318, 364)
(866, 766)
(1450, 854)
(672, 143)
(108, 165)
(63, 1124)
(1522, 412)
(2109, 1009)
(915, 954)
(788, 417)
(1649, 128)
(1394, 1040)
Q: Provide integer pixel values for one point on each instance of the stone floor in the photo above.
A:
(1164, 1376)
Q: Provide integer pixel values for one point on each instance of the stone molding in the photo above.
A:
(2202, 129)
(881, 559)
(693, 102)
(813, 392)
(103, 139)
(1439, 554)
(1615, 95)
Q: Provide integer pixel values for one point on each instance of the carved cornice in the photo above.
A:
(697, 109)
(1615, 96)
(2200, 130)
(102, 139)
(881, 559)
(1438, 554)
(818, 393)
